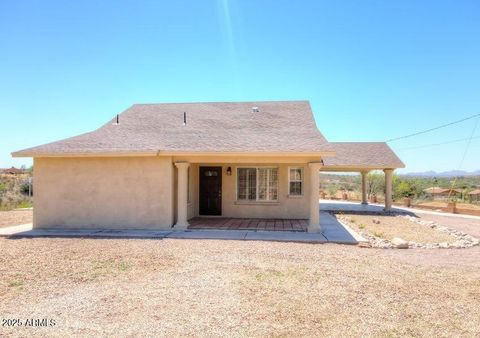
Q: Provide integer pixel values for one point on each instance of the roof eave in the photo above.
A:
(172, 153)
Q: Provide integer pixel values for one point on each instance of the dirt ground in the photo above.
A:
(133, 287)
(15, 217)
(443, 204)
(233, 288)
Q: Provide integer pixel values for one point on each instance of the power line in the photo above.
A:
(464, 154)
(441, 143)
(432, 129)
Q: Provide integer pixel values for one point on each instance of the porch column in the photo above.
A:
(182, 191)
(388, 189)
(314, 221)
(364, 187)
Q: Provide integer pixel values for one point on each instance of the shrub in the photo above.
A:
(24, 204)
(24, 188)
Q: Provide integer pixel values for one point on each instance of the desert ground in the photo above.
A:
(132, 287)
(15, 217)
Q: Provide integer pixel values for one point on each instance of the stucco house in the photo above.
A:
(156, 166)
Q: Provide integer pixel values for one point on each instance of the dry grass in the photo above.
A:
(234, 288)
(397, 226)
(11, 195)
(15, 217)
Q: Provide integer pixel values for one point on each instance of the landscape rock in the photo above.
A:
(364, 244)
(399, 243)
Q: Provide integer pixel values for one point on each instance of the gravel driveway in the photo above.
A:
(106, 287)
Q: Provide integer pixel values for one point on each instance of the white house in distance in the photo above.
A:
(156, 166)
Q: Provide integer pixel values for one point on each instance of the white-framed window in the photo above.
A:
(257, 184)
(295, 181)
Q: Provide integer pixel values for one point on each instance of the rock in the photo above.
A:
(376, 221)
(364, 244)
(399, 243)
(443, 245)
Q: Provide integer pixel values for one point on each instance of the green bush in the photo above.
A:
(24, 204)
(24, 188)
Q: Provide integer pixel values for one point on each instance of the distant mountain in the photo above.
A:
(451, 173)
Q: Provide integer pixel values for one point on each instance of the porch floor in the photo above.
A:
(255, 224)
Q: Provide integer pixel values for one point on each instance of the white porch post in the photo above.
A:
(182, 191)
(314, 221)
(388, 188)
(364, 187)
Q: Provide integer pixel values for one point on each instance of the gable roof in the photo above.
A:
(439, 191)
(374, 155)
(278, 127)
(281, 126)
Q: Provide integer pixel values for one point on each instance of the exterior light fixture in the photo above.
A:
(229, 171)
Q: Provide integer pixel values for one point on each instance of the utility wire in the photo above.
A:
(464, 155)
(432, 129)
(441, 143)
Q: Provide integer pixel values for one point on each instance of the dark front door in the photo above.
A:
(210, 190)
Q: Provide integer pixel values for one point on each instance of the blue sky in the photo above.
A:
(372, 70)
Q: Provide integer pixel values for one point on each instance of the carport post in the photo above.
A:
(364, 187)
(314, 221)
(388, 188)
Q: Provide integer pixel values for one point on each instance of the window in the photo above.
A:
(295, 181)
(257, 184)
(246, 184)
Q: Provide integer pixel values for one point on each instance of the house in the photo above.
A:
(442, 193)
(155, 166)
(12, 171)
(474, 195)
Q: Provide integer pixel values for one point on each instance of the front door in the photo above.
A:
(210, 190)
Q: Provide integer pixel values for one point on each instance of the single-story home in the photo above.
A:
(12, 171)
(442, 193)
(156, 166)
(474, 195)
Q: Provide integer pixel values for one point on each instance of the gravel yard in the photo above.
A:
(392, 226)
(107, 287)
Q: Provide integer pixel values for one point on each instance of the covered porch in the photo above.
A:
(267, 193)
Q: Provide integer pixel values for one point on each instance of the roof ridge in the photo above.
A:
(219, 102)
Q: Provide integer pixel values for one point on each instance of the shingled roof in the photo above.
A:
(373, 155)
(210, 127)
(285, 127)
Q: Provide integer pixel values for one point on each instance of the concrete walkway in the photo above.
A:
(332, 232)
(347, 206)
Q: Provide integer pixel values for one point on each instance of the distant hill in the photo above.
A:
(451, 173)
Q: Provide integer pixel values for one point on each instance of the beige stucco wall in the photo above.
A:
(287, 206)
(108, 192)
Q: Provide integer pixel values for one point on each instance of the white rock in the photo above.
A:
(399, 243)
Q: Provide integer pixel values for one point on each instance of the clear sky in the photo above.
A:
(372, 70)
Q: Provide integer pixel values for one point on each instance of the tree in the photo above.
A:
(403, 189)
(332, 190)
(375, 183)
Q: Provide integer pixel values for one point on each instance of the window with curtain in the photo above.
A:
(257, 184)
(295, 181)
